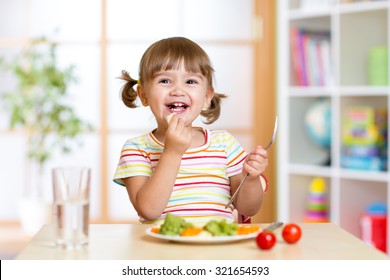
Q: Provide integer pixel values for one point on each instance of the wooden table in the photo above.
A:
(129, 242)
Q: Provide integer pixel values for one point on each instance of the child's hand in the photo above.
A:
(256, 162)
(178, 137)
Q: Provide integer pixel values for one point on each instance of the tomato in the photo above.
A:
(265, 240)
(291, 233)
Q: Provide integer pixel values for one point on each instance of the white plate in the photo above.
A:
(202, 238)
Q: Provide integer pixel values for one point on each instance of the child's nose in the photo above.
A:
(178, 91)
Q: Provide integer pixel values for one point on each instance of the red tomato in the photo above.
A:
(265, 240)
(291, 233)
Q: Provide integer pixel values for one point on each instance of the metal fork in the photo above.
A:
(246, 175)
(273, 226)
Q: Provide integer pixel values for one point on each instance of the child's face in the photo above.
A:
(177, 91)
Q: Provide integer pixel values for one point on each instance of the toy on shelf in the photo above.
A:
(378, 66)
(318, 125)
(317, 203)
(364, 139)
(373, 225)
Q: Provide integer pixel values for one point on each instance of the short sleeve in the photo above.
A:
(236, 155)
(134, 161)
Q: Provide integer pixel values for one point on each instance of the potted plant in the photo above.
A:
(39, 105)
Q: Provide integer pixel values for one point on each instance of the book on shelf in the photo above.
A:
(363, 163)
(310, 57)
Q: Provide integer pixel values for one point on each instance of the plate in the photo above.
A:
(202, 239)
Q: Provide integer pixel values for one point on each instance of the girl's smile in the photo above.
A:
(177, 107)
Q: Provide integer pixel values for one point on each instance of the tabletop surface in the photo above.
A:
(325, 241)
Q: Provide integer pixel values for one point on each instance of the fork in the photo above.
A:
(273, 226)
(246, 175)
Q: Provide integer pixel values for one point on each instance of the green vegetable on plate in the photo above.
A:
(221, 228)
(174, 225)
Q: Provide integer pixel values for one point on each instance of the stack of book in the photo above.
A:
(364, 139)
(310, 57)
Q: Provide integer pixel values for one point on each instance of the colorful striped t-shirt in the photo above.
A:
(202, 187)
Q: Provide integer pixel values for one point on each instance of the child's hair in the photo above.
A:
(168, 54)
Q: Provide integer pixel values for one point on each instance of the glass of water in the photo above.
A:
(71, 188)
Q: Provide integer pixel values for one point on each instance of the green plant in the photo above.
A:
(40, 104)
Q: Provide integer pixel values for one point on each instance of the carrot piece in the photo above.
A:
(155, 230)
(191, 231)
(247, 229)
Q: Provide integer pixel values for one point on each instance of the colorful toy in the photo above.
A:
(364, 139)
(373, 225)
(318, 123)
(359, 127)
(317, 204)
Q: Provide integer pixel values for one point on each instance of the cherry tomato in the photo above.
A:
(291, 233)
(265, 240)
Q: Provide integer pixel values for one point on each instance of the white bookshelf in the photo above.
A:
(355, 27)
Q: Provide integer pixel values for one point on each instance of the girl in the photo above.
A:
(188, 171)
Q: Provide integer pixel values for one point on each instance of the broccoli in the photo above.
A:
(221, 228)
(173, 225)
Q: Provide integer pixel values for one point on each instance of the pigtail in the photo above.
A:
(214, 110)
(128, 93)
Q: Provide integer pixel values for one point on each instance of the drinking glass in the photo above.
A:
(71, 188)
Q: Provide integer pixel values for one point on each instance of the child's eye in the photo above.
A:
(164, 81)
(191, 82)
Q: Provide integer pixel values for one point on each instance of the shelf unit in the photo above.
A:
(354, 27)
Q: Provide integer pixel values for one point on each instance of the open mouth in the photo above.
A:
(177, 107)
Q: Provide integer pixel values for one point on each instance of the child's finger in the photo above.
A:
(260, 150)
(169, 118)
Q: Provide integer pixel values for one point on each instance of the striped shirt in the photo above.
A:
(202, 187)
